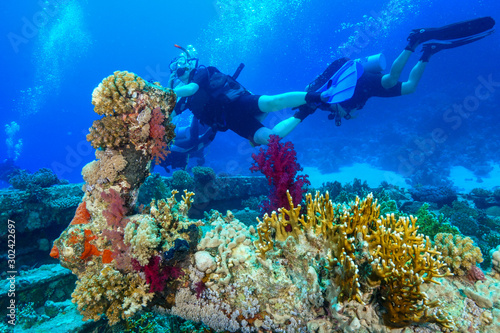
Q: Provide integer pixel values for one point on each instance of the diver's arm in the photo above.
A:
(187, 90)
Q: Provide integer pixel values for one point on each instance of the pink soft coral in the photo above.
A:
(157, 133)
(114, 214)
(279, 164)
(115, 211)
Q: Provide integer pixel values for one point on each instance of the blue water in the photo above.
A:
(50, 70)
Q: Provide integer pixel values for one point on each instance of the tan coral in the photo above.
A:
(110, 97)
(105, 169)
(230, 243)
(143, 236)
(459, 253)
(109, 292)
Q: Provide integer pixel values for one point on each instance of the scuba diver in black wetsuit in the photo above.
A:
(372, 83)
(222, 103)
(190, 142)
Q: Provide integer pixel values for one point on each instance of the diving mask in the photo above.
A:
(177, 63)
(184, 62)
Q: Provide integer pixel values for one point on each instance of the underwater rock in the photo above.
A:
(48, 282)
(484, 198)
(44, 218)
(441, 195)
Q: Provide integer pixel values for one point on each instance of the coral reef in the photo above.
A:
(336, 267)
(400, 259)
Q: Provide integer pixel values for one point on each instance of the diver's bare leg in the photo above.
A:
(391, 79)
(410, 86)
(282, 129)
(282, 101)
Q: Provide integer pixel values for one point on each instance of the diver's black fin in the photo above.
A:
(451, 31)
(429, 49)
(323, 78)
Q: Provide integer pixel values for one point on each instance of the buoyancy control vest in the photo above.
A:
(209, 103)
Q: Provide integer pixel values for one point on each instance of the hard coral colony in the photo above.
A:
(325, 268)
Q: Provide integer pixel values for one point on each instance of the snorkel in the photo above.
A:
(183, 50)
(189, 58)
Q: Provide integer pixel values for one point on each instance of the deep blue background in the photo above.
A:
(284, 45)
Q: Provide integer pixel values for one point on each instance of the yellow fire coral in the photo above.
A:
(404, 261)
(459, 252)
(400, 259)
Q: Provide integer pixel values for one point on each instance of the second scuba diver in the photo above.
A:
(222, 103)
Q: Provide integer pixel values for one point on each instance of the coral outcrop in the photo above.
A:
(324, 267)
(104, 238)
(134, 115)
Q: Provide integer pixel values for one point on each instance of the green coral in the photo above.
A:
(27, 316)
(182, 180)
(431, 224)
(144, 323)
(154, 187)
(203, 175)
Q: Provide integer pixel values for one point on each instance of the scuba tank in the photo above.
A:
(375, 63)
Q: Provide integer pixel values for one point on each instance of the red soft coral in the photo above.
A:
(200, 287)
(157, 133)
(475, 274)
(156, 274)
(279, 164)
